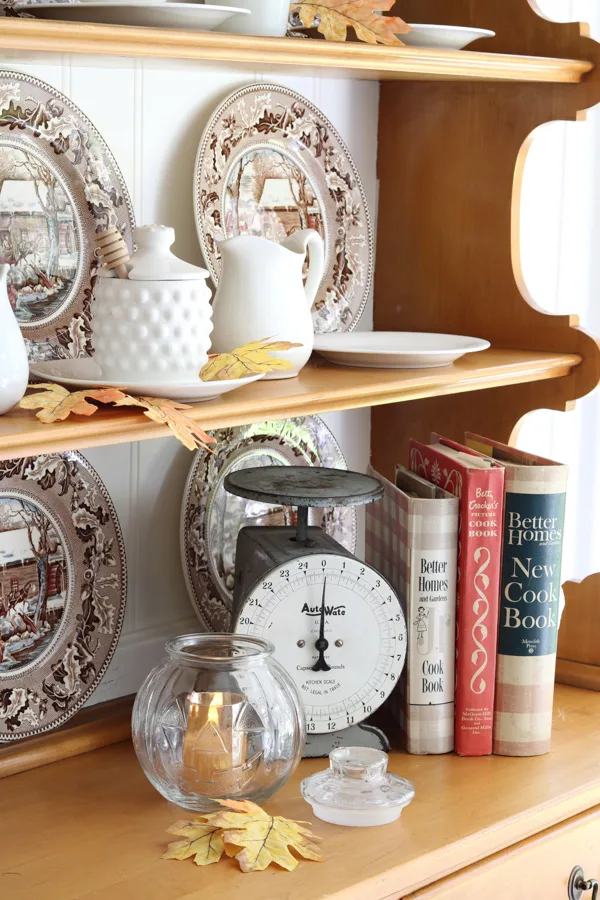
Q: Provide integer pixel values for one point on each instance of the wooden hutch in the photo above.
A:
(454, 131)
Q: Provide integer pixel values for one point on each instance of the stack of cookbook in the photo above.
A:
(471, 538)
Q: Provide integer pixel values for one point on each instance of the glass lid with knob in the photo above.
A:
(357, 789)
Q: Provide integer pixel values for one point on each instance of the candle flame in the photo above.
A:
(213, 710)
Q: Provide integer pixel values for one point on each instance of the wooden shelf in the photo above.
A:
(93, 727)
(99, 827)
(319, 388)
(359, 60)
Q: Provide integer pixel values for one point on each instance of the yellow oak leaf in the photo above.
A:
(169, 413)
(202, 841)
(251, 359)
(257, 839)
(336, 16)
(56, 403)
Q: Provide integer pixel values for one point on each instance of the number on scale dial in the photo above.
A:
(338, 629)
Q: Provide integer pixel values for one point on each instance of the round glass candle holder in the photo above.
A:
(357, 789)
(218, 719)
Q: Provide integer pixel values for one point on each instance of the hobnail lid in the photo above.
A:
(153, 260)
(357, 789)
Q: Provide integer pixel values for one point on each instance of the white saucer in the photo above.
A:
(395, 349)
(85, 373)
(185, 16)
(443, 37)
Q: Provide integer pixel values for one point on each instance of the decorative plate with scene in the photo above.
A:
(211, 518)
(59, 185)
(269, 164)
(62, 590)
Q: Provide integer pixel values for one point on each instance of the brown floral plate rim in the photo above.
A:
(356, 308)
(63, 642)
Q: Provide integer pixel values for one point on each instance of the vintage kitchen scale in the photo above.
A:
(336, 623)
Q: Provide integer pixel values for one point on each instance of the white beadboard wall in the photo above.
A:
(152, 115)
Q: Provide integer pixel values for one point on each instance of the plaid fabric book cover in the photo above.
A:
(535, 495)
(412, 536)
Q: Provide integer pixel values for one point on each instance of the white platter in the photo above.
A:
(85, 373)
(395, 349)
(184, 16)
(443, 37)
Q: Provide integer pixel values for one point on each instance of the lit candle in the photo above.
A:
(214, 750)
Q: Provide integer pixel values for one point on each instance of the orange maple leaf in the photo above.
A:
(336, 16)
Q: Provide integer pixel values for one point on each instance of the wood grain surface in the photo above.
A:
(578, 658)
(520, 25)
(285, 54)
(320, 387)
(448, 251)
(92, 827)
(539, 867)
(93, 727)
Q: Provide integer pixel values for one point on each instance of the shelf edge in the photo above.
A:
(92, 728)
(124, 427)
(366, 61)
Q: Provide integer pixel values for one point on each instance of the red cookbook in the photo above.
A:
(479, 483)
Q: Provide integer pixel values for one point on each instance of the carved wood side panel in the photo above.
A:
(451, 157)
(578, 660)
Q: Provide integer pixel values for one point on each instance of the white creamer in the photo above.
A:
(261, 294)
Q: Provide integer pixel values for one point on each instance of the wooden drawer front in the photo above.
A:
(538, 868)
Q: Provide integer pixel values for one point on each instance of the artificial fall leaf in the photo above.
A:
(251, 359)
(168, 412)
(336, 16)
(257, 839)
(56, 404)
(202, 841)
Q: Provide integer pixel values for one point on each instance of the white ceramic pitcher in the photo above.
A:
(261, 294)
(14, 368)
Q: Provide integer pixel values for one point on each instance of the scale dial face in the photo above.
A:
(338, 629)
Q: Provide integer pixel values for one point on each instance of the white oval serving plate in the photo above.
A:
(86, 373)
(395, 349)
(443, 37)
(185, 16)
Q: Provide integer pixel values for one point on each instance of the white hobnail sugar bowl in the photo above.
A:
(156, 323)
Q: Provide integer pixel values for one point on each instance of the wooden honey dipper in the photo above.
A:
(112, 251)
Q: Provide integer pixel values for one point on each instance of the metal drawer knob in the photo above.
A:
(578, 885)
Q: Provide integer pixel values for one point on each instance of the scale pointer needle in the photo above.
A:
(322, 643)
